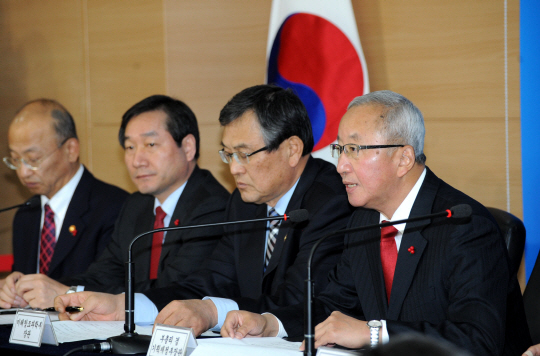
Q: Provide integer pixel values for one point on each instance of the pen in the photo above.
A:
(68, 309)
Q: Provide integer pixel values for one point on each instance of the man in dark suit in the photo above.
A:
(450, 279)
(267, 141)
(161, 141)
(44, 151)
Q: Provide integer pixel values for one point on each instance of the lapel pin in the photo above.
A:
(411, 250)
(285, 238)
(176, 222)
(73, 230)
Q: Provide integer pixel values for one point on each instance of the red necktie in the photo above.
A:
(389, 254)
(48, 240)
(157, 241)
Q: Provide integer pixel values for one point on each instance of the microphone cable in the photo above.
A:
(98, 347)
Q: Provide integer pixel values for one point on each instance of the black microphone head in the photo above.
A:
(33, 202)
(298, 215)
(461, 211)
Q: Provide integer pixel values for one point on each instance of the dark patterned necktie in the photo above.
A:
(272, 235)
(389, 255)
(157, 242)
(48, 240)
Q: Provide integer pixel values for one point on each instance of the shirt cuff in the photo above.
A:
(145, 311)
(281, 331)
(223, 306)
(385, 336)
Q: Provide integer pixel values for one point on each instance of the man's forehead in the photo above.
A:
(244, 132)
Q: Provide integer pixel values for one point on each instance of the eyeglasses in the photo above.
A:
(351, 149)
(32, 164)
(240, 157)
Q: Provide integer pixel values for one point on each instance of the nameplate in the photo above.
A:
(171, 340)
(331, 351)
(31, 328)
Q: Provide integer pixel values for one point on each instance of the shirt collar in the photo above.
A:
(60, 201)
(404, 209)
(283, 202)
(170, 203)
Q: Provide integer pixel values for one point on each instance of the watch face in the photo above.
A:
(374, 324)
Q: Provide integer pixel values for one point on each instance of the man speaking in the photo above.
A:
(449, 279)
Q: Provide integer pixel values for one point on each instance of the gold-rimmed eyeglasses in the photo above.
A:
(32, 163)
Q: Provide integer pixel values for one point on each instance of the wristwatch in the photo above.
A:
(374, 328)
(72, 289)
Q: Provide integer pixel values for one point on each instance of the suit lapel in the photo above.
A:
(253, 241)
(405, 271)
(374, 281)
(77, 209)
(305, 181)
(142, 248)
(181, 214)
(407, 262)
(31, 252)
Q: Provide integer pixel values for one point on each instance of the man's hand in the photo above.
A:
(8, 294)
(38, 290)
(97, 306)
(343, 330)
(240, 324)
(200, 315)
(533, 351)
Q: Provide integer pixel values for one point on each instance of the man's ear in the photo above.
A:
(72, 148)
(189, 146)
(295, 147)
(406, 160)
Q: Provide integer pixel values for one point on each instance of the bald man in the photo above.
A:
(73, 218)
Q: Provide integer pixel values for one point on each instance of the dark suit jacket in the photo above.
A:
(235, 269)
(92, 210)
(202, 201)
(455, 286)
(531, 298)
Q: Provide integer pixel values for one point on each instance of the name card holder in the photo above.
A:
(32, 328)
(170, 340)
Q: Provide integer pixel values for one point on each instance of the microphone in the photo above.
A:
(130, 342)
(456, 212)
(31, 203)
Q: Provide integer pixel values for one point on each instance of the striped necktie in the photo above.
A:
(272, 235)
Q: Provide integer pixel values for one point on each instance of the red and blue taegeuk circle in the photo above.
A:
(318, 61)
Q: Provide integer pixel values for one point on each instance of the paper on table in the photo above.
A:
(69, 331)
(260, 346)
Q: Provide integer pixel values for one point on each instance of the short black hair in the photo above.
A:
(181, 121)
(280, 112)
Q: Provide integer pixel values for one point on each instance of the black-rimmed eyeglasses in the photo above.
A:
(240, 157)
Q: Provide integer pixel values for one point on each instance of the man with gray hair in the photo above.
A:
(446, 278)
(73, 218)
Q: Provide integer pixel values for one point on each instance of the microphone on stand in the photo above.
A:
(31, 203)
(130, 342)
(457, 212)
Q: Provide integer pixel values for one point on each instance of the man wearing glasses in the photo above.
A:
(73, 216)
(267, 141)
(160, 137)
(448, 279)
